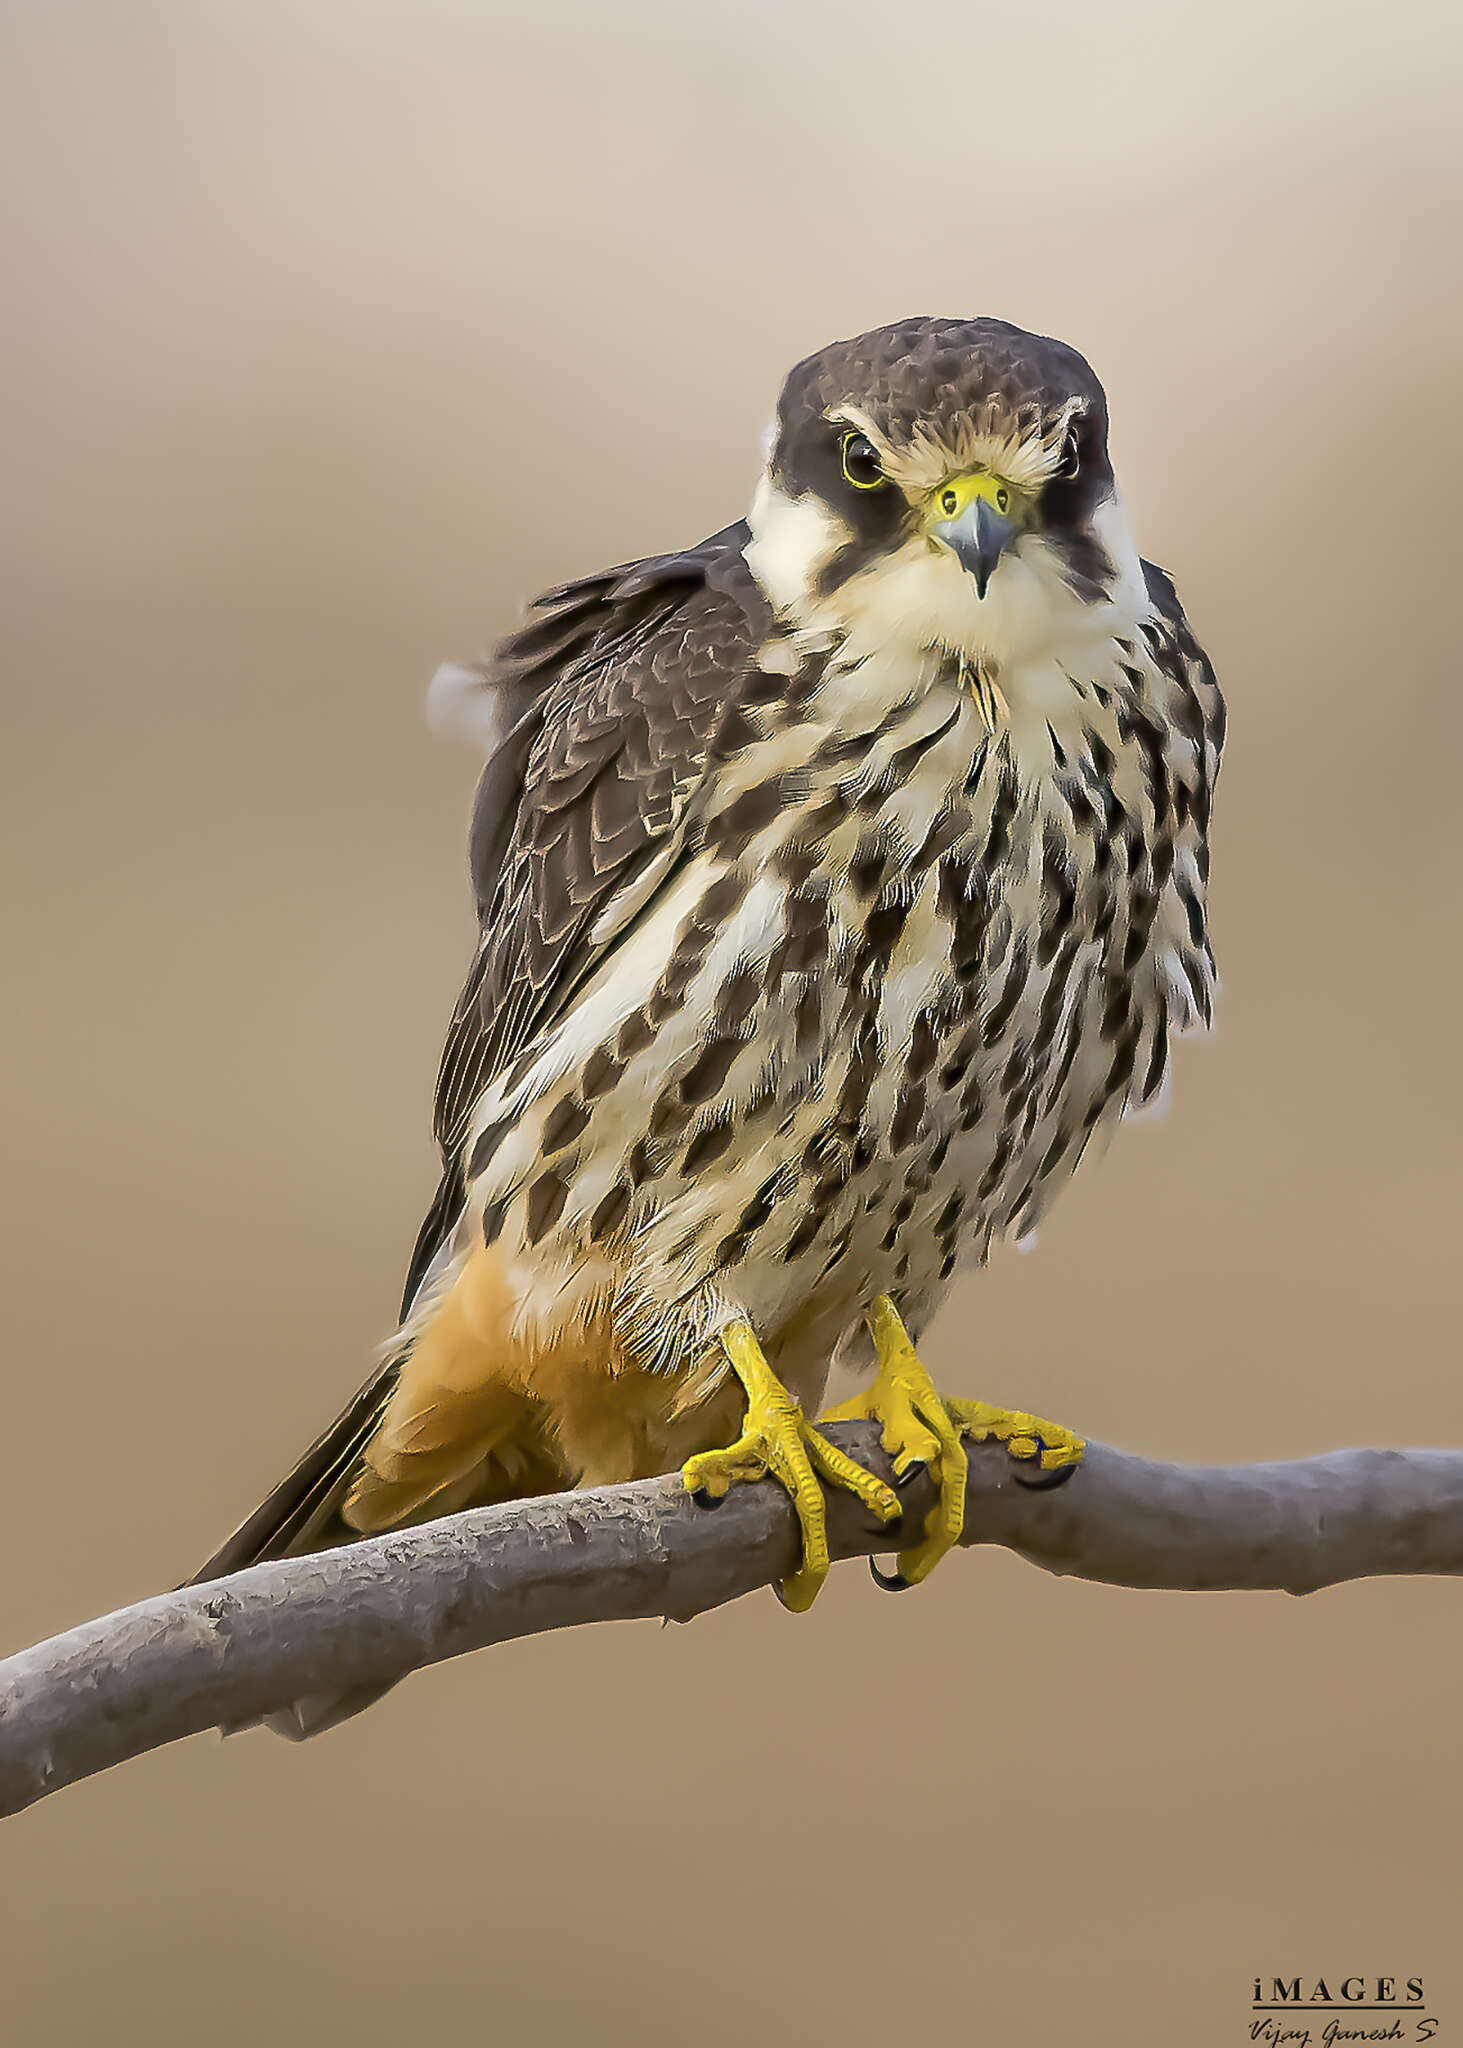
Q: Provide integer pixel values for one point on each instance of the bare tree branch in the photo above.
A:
(225, 1653)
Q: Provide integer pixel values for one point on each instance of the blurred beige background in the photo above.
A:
(333, 332)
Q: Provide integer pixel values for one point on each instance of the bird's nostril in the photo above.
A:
(949, 503)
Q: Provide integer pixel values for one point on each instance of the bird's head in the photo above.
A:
(947, 478)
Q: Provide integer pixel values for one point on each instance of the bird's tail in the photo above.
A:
(302, 1513)
(433, 1430)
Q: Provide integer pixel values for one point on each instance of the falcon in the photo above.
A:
(840, 880)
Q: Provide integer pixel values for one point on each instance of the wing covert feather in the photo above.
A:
(612, 694)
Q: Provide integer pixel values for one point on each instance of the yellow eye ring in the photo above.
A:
(861, 463)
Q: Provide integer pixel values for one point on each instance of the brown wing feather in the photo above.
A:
(616, 688)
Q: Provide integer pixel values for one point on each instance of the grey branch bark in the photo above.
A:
(225, 1653)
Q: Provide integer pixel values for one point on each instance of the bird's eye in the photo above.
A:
(1071, 458)
(861, 464)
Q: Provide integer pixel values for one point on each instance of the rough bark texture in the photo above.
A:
(227, 1652)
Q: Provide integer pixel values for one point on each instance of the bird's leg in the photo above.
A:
(777, 1439)
(924, 1428)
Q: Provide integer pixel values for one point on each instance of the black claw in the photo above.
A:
(703, 1499)
(911, 1472)
(892, 1582)
(781, 1596)
(1043, 1481)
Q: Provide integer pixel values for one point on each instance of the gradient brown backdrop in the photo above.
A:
(334, 331)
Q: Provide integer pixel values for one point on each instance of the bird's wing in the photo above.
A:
(608, 702)
(1184, 661)
(601, 713)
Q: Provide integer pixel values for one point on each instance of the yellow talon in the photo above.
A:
(922, 1428)
(777, 1439)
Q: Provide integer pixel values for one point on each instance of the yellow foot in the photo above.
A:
(922, 1428)
(777, 1439)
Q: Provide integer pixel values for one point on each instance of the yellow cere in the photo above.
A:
(949, 499)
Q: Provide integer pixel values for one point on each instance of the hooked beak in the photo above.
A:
(976, 537)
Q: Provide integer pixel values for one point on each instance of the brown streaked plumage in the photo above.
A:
(838, 880)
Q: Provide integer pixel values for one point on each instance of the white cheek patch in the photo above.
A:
(793, 541)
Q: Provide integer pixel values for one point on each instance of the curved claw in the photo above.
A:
(1043, 1480)
(922, 1431)
(776, 1439)
(892, 1582)
(920, 1435)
